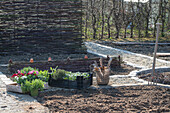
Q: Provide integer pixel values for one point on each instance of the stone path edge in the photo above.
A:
(140, 60)
(128, 52)
(133, 74)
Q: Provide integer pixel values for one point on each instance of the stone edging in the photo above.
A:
(137, 60)
(5, 79)
(139, 43)
(134, 74)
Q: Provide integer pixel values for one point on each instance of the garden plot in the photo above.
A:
(138, 98)
(121, 99)
(163, 78)
(142, 48)
(162, 75)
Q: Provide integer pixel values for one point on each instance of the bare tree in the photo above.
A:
(139, 18)
(133, 16)
(103, 17)
(147, 13)
(163, 15)
(126, 15)
(106, 15)
(117, 15)
(156, 10)
(93, 16)
(86, 6)
(168, 12)
(109, 13)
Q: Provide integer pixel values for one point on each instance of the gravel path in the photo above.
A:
(119, 81)
(137, 60)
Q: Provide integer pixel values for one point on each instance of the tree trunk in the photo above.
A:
(94, 27)
(139, 34)
(154, 31)
(163, 26)
(125, 32)
(117, 34)
(102, 19)
(146, 30)
(131, 30)
(86, 20)
(108, 29)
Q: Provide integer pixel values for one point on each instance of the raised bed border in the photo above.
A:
(73, 65)
(79, 83)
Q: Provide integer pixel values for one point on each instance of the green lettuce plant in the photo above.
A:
(43, 75)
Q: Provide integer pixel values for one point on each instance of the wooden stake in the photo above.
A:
(101, 62)
(109, 63)
(155, 51)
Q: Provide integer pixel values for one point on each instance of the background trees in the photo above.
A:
(121, 19)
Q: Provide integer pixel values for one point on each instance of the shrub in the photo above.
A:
(37, 84)
(26, 87)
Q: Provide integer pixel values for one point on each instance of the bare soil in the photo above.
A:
(123, 70)
(41, 57)
(115, 100)
(163, 78)
(140, 48)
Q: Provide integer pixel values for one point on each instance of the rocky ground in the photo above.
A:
(122, 99)
(118, 81)
(12, 102)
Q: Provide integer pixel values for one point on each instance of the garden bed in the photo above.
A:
(74, 65)
(162, 77)
(146, 49)
(122, 99)
(80, 83)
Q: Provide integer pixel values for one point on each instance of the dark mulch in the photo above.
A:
(123, 99)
